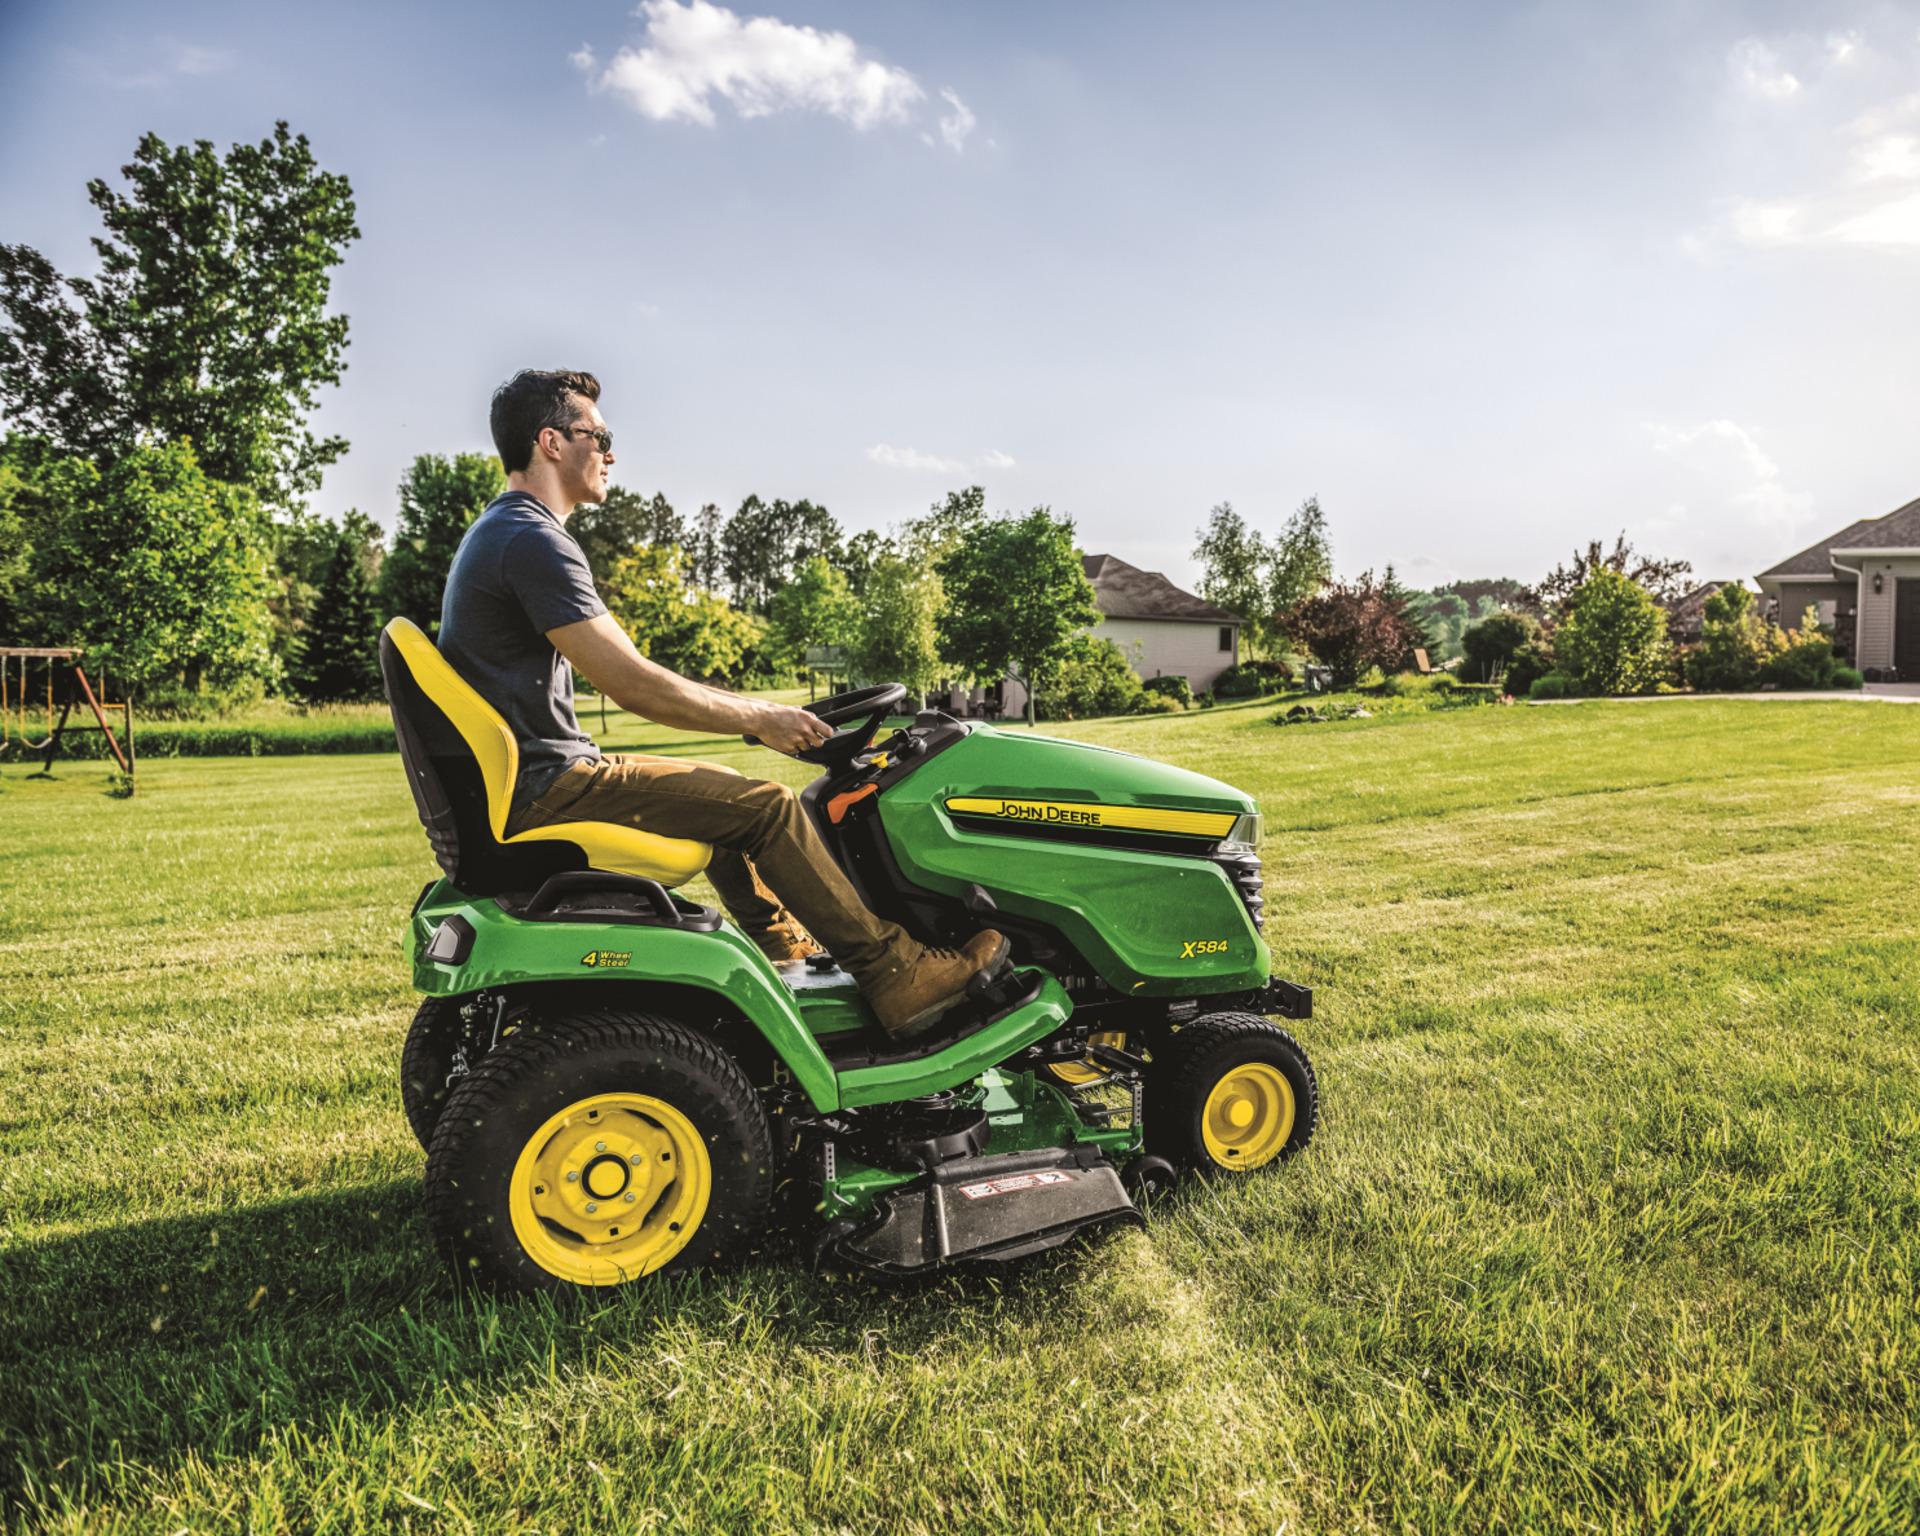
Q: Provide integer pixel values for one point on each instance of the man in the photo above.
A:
(521, 612)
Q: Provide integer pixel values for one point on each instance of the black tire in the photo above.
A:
(527, 1082)
(1193, 1063)
(426, 1062)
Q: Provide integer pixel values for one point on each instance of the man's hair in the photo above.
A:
(530, 402)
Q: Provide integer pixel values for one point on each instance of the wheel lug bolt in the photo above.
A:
(592, 1207)
(635, 1159)
(573, 1176)
(599, 1146)
(631, 1197)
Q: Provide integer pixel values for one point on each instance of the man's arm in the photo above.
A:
(604, 655)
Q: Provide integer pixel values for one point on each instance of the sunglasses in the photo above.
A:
(603, 440)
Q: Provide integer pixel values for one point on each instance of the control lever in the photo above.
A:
(978, 903)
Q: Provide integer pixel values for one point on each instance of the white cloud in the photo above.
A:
(1842, 46)
(1756, 67)
(1890, 157)
(914, 459)
(194, 59)
(1737, 507)
(1765, 223)
(957, 124)
(993, 458)
(1893, 223)
(696, 53)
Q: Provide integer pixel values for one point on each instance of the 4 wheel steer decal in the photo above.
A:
(607, 959)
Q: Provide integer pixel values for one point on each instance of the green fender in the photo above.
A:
(510, 951)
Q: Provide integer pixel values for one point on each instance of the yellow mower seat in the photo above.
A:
(606, 845)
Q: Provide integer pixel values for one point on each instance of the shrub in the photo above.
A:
(1530, 663)
(1846, 677)
(1489, 646)
(1554, 685)
(1735, 646)
(1404, 685)
(1173, 686)
(1156, 704)
(1807, 663)
(1614, 637)
(1094, 679)
(1252, 679)
(1353, 628)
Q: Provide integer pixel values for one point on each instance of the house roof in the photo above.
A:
(1126, 592)
(1899, 529)
(1690, 606)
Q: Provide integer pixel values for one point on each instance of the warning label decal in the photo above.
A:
(1015, 1182)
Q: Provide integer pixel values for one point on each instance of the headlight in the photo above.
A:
(1245, 836)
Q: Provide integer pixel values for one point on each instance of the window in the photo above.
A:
(1226, 637)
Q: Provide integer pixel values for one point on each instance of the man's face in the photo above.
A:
(585, 469)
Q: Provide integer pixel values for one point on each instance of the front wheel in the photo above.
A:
(589, 1152)
(1231, 1093)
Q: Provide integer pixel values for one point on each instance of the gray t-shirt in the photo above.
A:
(517, 574)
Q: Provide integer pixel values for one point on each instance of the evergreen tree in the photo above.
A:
(339, 655)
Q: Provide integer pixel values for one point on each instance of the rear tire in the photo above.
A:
(1231, 1093)
(427, 1060)
(585, 1153)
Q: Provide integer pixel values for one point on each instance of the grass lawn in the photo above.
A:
(1613, 1220)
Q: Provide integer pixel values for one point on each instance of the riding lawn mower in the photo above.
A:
(612, 1081)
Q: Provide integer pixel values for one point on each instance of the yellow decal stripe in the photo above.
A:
(1116, 818)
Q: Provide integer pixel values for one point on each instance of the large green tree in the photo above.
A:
(764, 542)
(1245, 572)
(624, 523)
(1613, 638)
(894, 638)
(1016, 596)
(816, 608)
(157, 569)
(207, 320)
(695, 632)
(339, 652)
(439, 498)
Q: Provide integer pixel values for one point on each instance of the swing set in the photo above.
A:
(66, 686)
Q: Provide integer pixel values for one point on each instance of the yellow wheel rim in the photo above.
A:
(1248, 1116)
(1080, 1073)
(610, 1189)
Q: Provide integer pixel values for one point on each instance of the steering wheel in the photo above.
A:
(872, 705)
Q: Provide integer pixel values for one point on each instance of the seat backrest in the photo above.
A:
(461, 760)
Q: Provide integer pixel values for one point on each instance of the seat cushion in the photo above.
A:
(626, 850)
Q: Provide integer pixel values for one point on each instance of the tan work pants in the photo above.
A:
(761, 838)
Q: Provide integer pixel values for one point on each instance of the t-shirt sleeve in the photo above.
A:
(546, 571)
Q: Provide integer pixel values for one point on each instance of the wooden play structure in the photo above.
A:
(23, 698)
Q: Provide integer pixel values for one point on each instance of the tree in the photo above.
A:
(157, 569)
(695, 632)
(303, 545)
(1614, 636)
(1736, 644)
(1094, 679)
(1017, 593)
(765, 541)
(1351, 628)
(816, 608)
(703, 542)
(623, 523)
(1665, 579)
(1235, 565)
(1490, 646)
(439, 498)
(893, 636)
(1302, 558)
(339, 653)
(1445, 616)
(207, 321)
(1410, 615)
(1259, 579)
(859, 555)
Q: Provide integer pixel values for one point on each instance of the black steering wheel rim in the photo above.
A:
(870, 705)
(858, 703)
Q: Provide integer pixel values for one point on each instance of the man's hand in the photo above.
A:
(790, 731)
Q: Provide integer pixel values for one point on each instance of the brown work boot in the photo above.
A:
(913, 996)
(786, 945)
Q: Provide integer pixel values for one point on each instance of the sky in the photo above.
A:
(1489, 280)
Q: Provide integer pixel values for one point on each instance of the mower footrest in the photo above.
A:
(975, 1209)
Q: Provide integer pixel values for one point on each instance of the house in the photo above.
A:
(1865, 582)
(1161, 629)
